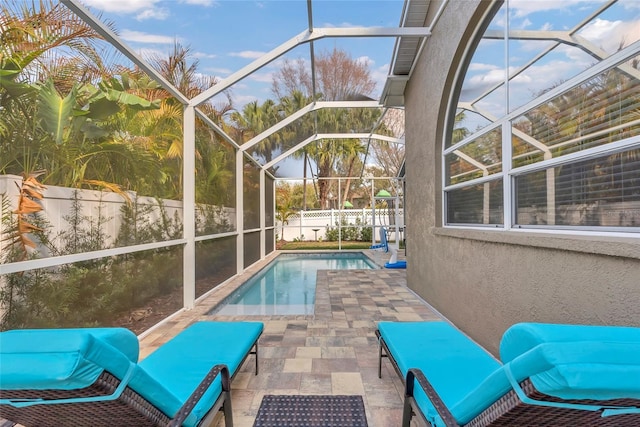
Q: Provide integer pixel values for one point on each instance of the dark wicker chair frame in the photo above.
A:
(509, 410)
(129, 409)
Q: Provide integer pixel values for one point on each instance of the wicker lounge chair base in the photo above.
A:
(130, 409)
(129, 404)
(548, 375)
(92, 377)
(311, 411)
(510, 411)
(127, 410)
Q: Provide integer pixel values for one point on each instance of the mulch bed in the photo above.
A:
(161, 307)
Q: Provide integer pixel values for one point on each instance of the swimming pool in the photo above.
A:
(288, 284)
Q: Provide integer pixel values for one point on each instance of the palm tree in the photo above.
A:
(350, 153)
(180, 68)
(290, 104)
(253, 120)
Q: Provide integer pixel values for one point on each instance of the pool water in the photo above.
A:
(287, 285)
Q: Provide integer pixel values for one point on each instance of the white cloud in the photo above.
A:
(525, 24)
(159, 14)
(250, 54)
(365, 60)
(203, 75)
(241, 100)
(521, 78)
(261, 77)
(338, 25)
(598, 29)
(144, 9)
(121, 6)
(204, 55)
(523, 8)
(547, 26)
(151, 53)
(608, 35)
(488, 79)
(140, 37)
(535, 46)
(379, 75)
(206, 3)
(478, 66)
(578, 57)
(222, 72)
(629, 4)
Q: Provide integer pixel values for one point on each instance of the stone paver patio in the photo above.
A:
(332, 352)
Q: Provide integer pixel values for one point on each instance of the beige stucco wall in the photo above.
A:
(484, 281)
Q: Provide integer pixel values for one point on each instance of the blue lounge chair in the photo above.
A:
(548, 375)
(71, 377)
(384, 244)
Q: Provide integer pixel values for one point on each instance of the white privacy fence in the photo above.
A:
(107, 209)
(102, 206)
(317, 224)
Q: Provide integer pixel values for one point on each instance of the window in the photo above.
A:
(547, 129)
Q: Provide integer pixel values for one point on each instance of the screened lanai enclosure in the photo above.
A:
(142, 163)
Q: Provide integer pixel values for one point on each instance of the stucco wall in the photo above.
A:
(484, 281)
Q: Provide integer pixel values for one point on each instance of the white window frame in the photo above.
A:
(508, 173)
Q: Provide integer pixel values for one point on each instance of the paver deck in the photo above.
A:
(333, 352)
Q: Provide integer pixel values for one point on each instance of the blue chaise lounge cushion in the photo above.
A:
(199, 347)
(593, 362)
(522, 337)
(596, 370)
(64, 358)
(70, 359)
(452, 362)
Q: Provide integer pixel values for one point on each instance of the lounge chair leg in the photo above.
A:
(380, 358)
(256, 353)
(407, 412)
(227, 410)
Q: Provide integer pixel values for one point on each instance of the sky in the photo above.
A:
(226, 35)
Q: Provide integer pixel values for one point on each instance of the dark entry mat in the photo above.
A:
(311, 411)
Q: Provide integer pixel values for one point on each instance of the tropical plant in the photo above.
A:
(19, 231)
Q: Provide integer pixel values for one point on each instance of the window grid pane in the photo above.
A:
(480, 157)
(600, 111)
(601, 192)
(578, 188)
(476, 204)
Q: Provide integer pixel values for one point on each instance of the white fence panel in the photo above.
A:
(58, 201)
(313, 225)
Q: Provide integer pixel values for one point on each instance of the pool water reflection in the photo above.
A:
(288, 284)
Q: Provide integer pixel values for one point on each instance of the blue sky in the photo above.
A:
(226, 35)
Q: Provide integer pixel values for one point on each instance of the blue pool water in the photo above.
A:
(287, 285)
